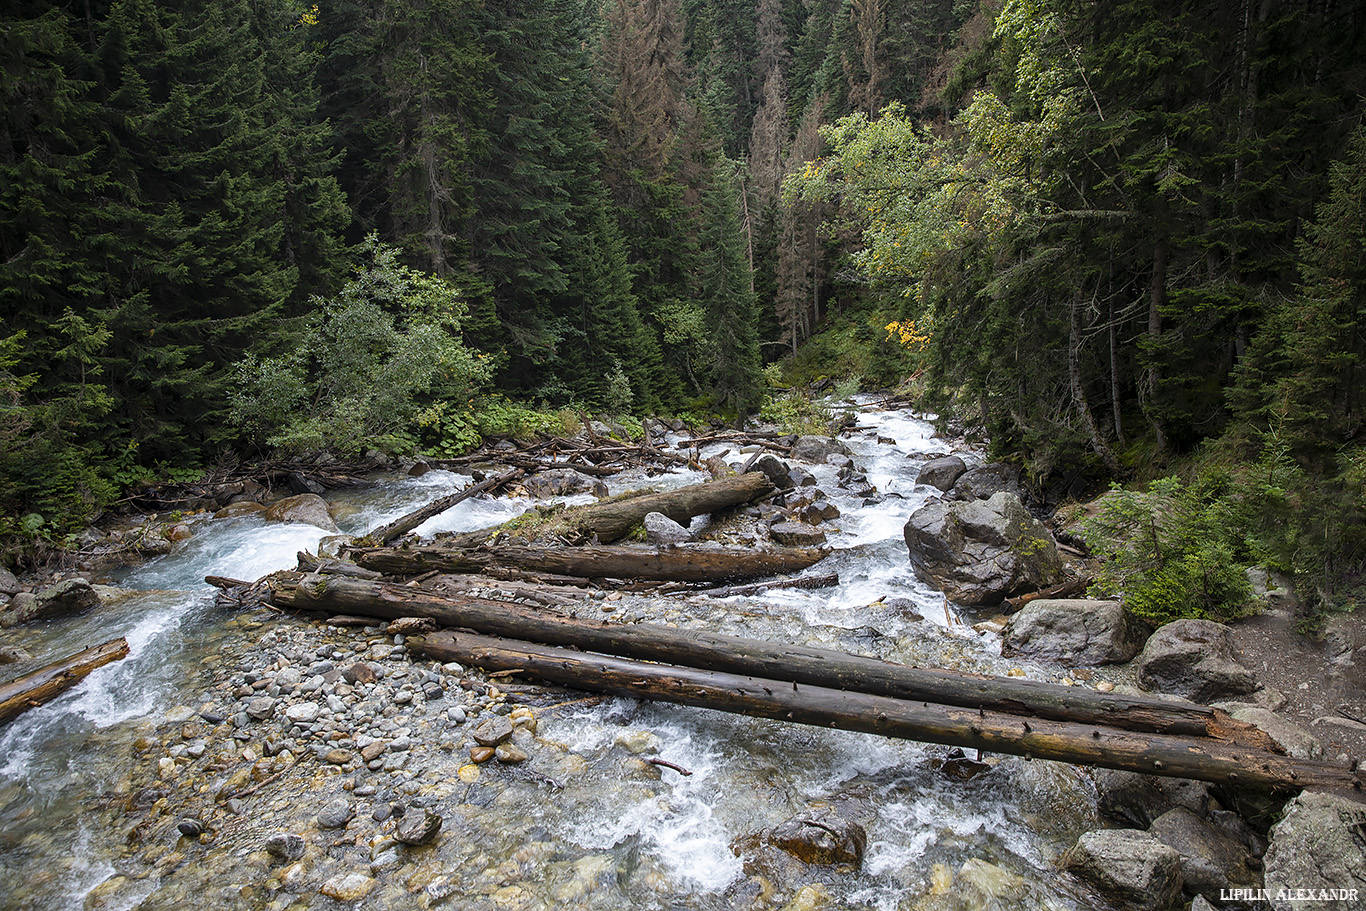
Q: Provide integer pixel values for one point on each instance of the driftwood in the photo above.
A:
(1086, 744)
(823, 580)
(669, 564)
(401, 526)
(802, 664)
(49, 682)
(611, 519)
(1061, 590)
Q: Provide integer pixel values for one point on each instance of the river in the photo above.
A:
(599, 838)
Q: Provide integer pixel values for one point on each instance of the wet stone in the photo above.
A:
(510, 753)
(481, 754)
(303, 713)
(372, 751)
(348, 887)
(261, 708)
(285, 846)
(190, 828)
(339, 757)
(493, 731)
(335, 814)
(418, 827)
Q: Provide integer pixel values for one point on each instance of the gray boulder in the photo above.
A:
(1211, 861)
(981, 551)
(1073, 631)
(561, 482)
(1131, 867)
(796, 534)
(941, 473)
(1194, 659)
(818, 449)
(303, 509)
(660, 529)
(64, 598)
(8, 584)
(1297, 742)
(985, 481)
(1318, 844)
(1139, 799)
(775, 469)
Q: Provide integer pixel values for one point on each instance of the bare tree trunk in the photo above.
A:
(50, 681)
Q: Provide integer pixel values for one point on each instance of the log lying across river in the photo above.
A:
(784, 700)
(50, 681)
(668, 564)
(614, 518)
(793, 663)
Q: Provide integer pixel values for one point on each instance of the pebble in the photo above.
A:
(285, 846)
(493, 731)
(510, 753)
(348, 887)
(372, 751)
(190, 828)
(481, 754)
(418, 828)
(336, 814)
(303, 713)
(360, 672)
(339, 757)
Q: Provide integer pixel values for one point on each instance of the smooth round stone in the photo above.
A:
(335, 814)
(303, 713)
(261, 708)
(493, 731)
(510, 753)
(338, 757)
(190, 828)
(481, 754)
(348, 887)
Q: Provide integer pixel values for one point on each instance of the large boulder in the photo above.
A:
(941, 473)
(1317, 845)
(660, 529)
(981, 551)
(1194, 659)
(821, 838)
(1298, 743)
(62, 599)
(302, 509)
(985, 481)
(818, 449)
(1131, 867)
(9, 585)
(1211, 861)
(561, 482)
(1073, 631)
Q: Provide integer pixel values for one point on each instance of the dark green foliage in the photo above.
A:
(727, 296)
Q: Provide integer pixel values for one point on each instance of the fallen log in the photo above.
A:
(404, 524)
(802, 664)
(50, 681)
(611, 519)
(822, 580)
(668, 564)
(1084, 744)
(1061, 590)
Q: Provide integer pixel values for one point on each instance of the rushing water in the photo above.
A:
(600, 839)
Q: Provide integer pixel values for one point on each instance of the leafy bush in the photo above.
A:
(367, 368)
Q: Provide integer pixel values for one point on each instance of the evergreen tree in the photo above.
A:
(727, 295)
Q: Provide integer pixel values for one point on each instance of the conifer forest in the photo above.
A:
(1115, 240)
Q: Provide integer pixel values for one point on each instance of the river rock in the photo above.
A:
(1297, 742)
(1210, 860)
(260, 708)
(985, 481)
(9, 585)
(359, 673)
(1318, 844)
(64, 598)
(981, 551)
(239, 509)
(303, 713)
(941, 473)
(660, 529)
(13, 654)
(335, 814)
(1131, 867)
(493, 731)
(348, 887)
(285, 846)
(775, 469)
(304, 509)
(796, 534)
(560, 482)
(405, 625)
(1140, 799)
(822, 837)
(818, 449)
(419, 826)
(1073, 631)
(1194, 659)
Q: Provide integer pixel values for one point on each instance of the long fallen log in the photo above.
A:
(611, 519)
(1085, 744)
(821, 580)
(49, 682)
(802, 664)
(676, 564)
(404, 524)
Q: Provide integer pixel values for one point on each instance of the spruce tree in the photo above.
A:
(725, 290)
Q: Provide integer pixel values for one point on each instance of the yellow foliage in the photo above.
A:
(905, 332)
(310, 16)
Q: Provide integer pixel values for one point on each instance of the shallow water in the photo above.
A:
(611, 832)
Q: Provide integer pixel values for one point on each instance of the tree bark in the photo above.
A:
(612, 519)
(401, 526)
(1078, 384)
(666, 564)
(802, 664)
(49, 682)
(1085, 744)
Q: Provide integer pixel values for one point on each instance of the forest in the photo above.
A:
(1117, 240)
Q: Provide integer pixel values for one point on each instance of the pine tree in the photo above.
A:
(726, 293)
